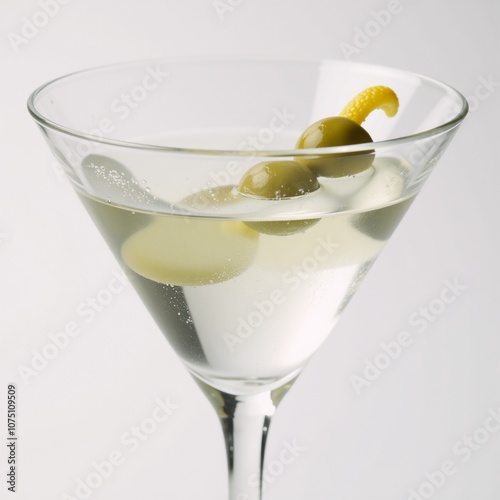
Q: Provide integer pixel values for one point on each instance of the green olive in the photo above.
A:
(274, 180)
(335, 131)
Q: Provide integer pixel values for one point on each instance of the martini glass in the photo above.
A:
(245, 288)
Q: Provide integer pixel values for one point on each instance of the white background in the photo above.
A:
(376, 445)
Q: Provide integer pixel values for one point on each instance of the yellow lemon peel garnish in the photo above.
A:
(372, 98)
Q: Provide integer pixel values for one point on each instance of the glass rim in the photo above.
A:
(446, 126)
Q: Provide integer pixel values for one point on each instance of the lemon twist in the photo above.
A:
(372, 98)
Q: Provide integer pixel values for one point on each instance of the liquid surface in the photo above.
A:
(246, 300)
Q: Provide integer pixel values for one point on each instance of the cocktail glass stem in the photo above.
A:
(245, 421)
